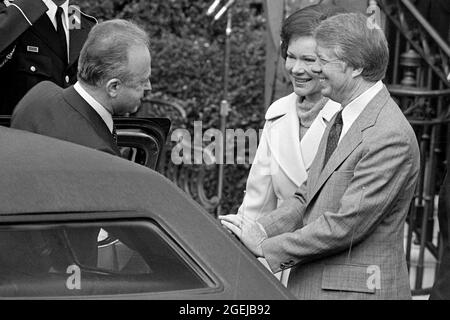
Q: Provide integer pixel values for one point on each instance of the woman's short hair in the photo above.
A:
(303, 22)
(355, 40)
(104, 55)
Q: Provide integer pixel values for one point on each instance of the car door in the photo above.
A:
(145, 261)
(141, 140)
(151, 258)
(145, 138)
(57, 197)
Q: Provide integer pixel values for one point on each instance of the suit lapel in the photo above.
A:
(348, 143)
(77, 37)
(46, 32)
(283, 139)
(316, 169)
(310, 142)
(81, 106)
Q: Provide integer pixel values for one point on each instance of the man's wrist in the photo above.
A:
(260, 251)
(263, 230)
(264, 238)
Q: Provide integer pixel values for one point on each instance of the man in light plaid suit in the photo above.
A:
(342, 232)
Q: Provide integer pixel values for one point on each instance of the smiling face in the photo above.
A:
(335, 75)
(300, 57)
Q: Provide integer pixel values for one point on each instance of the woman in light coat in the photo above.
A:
(294, 124)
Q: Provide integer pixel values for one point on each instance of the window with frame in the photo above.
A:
(85, 259)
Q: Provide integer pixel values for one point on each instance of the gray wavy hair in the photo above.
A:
(355, 41)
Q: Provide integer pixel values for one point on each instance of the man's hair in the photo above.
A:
(104, 55)
(357, 42)
(303, 22)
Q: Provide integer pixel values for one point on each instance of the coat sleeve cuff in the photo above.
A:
(272, 261)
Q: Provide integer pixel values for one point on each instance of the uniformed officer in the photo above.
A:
(39, 40)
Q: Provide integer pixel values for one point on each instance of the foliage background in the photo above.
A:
(187, 67)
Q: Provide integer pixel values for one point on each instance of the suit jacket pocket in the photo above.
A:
(347, 277)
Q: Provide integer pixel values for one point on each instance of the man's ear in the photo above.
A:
(357, 72)
(113, 87)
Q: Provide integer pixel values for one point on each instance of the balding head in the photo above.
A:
(104, 55)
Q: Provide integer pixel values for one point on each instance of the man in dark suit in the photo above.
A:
(113, 75)
(39, 40)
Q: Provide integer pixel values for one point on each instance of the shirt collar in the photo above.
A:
(329, 110)
(51, 12)
(101, 110)
(354, 108)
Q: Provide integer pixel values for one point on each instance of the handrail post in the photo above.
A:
(224, 109)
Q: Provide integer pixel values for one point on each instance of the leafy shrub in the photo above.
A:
(188, 61)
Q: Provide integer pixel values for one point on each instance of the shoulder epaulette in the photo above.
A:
(84, 14)
(7, 2)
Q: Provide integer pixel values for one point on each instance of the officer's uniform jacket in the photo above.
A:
(30, 51)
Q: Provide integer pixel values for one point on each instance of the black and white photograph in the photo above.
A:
(222, 156)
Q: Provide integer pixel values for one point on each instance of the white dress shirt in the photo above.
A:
(51, 12)
(101, 110)
(354, 108)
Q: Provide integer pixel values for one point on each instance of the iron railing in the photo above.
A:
(417, 80)
(194, 179)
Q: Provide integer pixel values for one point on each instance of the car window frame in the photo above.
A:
(135, 132)
(182, 248)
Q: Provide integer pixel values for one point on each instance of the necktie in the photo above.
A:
(61, 33)
(114, 134)
(333, 137)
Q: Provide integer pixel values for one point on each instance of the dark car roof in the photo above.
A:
(42, 176)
